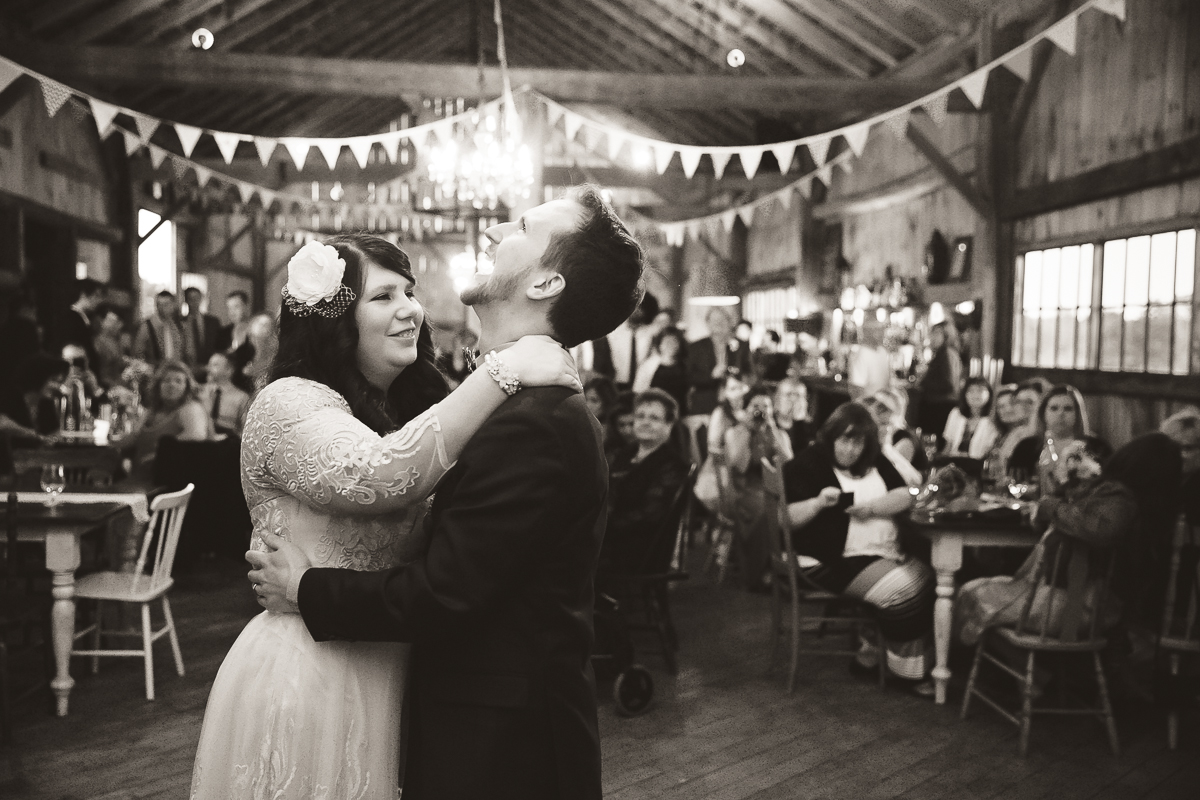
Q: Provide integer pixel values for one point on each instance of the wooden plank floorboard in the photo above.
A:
(722, 729)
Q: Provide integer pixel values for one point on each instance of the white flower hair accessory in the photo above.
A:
(314, 284)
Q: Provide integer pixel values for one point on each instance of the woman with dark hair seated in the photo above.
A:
(843, 500)
(1061, 419)
(643, 482)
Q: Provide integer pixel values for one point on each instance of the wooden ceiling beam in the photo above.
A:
(878, 15)
(52, 13)
(95, 26)
(654, 36)
(371, 78)
(844, 25)
(175, 17)
(807, 33)
(248, 24)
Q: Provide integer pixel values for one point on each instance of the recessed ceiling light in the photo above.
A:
(202, 38)
(735, 58)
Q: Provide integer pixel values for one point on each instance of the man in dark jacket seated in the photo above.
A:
(644, 480)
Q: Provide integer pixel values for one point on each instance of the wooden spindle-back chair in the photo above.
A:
(1180, 631)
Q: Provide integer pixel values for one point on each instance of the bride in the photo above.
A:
(339, 454)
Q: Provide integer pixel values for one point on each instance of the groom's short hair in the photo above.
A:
(601, 264)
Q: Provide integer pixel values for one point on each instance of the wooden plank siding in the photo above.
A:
(723, 728)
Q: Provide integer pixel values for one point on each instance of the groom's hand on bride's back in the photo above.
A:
(276, 574)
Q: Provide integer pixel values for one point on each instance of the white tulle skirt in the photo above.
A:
(292, 719)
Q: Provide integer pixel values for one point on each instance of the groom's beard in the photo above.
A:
(496, 289)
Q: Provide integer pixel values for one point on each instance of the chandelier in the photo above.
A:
(483, 163)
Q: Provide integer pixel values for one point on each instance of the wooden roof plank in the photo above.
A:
(879, 15)
(96, 26)
(807, 33)
(847, 27)
(246, 26)
(175, 17)
(52, 13)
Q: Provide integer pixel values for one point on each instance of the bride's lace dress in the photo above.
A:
(288, 718)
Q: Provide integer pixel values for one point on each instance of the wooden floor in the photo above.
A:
(723, 728)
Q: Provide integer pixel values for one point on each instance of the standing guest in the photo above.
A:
(77, 322)
(1184, 429)
(664, 368)
(792, 413)
(620, 354)
(969, 428)
(173, 409)
(111, 356)
(844, 499)
(226, 404)
(1061, 419)
(942, 381)
(160, 338)
(770, 362)
(234, 338)
(263, 344)
(710, 359)
(870, 364)
(204, 329)
(882, 406)
(643, 483)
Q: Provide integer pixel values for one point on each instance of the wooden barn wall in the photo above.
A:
(1131, 89)
(232, 267)
(713, 264)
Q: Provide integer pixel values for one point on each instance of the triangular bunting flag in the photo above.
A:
(747, 215)
(720, 159)
(157, 154)
(615, 142)
(727, 220)
(1020, 63)
(227, 143)
(360, 147)
(246, 190)
(391, 145)
(974, 85)
(1063, 33)
(591, 137)
(203, 175)
(856, 137)
(78, 111)
(267, 198)
(298, 150)
(55, 95)
(554, 113)
(132, 142)
(102, 111)
(804, 186)
(784, 153)
(1115, 8)
(690, 158)
(571, 124)
(819, 150)
(847, 165)
(784, 196)
(9, 72)
(750, 157)
(146, 126)
(936, 108)
(693, 229)
(188, 136)
(265, 148)
(897, 124)
(331, 149)
(662, 157)
(825, 173)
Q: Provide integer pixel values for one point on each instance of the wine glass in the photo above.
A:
(1019, 486)
(929, 443)
(53, 482)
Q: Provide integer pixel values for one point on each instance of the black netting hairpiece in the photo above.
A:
(332, 308)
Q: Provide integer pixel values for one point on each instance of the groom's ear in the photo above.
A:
(547, 287)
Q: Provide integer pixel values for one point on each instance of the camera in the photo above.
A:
(757, 414)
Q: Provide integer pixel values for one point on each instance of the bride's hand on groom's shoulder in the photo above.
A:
(276, 574)
(541, 361)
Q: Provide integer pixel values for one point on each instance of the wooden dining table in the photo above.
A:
(948, 534)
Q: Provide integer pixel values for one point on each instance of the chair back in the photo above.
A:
(83, 465)
(777, 517)
(162, 538)
(665, 544)
(1183, 586)
(1071, 583)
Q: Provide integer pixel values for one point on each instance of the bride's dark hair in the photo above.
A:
(325, 350)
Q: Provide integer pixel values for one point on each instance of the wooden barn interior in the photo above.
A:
(1028, 170)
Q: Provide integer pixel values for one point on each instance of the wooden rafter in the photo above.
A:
(264, 15)
(946, 169)
(93, 27)
(844, 26)
(879, 16)
(54, 12)
(808, 34)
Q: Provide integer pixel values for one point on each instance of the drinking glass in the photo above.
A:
(929, 443)
(53, 482)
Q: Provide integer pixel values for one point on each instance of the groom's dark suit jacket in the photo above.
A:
(499, 611)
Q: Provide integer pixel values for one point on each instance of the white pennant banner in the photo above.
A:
(662, 158)
(157, 154)
(203, 174)
(856, 137)
(897, 124)
(591, 137)
(554, 113)
(360, 148)
(747, 215)
(1063, 33)
(784, 153)
(750, 157)
(102, 111)
(391, 145)
(9, 72)
(727, 220)
(693, 229)
(615, 142)
(974, 86)
(571, 125)
(1020, 63)
(227, 143)
(54, 94)
(132, 142)
(819, 150)
(146, 126)
(188, 136)
(825, 173)
(331, 149)
(1115, 8)
(246, 190)
(298, 150)
(784, 196)
(690, 158)
(936, 108)
(265, 148)
(720, 159)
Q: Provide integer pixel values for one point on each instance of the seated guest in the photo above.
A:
(792, 413)
(618, 432)
(1061, 419)
(1091, 504)
(904, 439)
(969, 429)
(264, 344)
(844, 498)
(664, 368)
(226, 403)
(753, 438)
(1009, 419)
(882, 406)
(172, 410)
(29, 407)
(645, 479)
(601, 397)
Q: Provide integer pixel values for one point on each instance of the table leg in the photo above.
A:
(62, 559)
(947, 559)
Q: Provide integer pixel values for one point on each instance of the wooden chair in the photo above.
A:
(647, 587)
(723, 523)
(1062, 625)
(1180, 634)
(787, 576)
(162, 535)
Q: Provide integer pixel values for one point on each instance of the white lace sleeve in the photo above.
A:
(301, 437)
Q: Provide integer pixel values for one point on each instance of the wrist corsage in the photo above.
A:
(508, 380)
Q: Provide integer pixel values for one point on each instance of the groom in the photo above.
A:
(499, 610)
